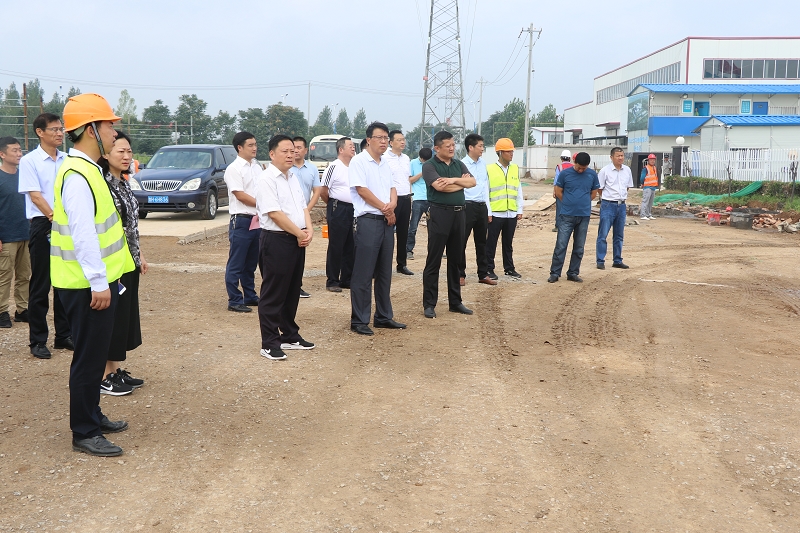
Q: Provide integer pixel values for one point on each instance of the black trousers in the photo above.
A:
(39, 297)
(127, 334)
(281, 262)
(374, 247)
(91, 334)
(339, 262)
(477, 221)
(506, 227)
(403, 214)
(445, 231)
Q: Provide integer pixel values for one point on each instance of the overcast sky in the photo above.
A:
(164, 48)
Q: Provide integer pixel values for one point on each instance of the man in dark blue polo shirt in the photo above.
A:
(577, 187)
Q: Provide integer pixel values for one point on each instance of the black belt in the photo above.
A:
(475, 202)
(242, 215)
(618, 202)
(371, 215)
(448, 207)
(336, 202)
(279, 232)
(404, 196)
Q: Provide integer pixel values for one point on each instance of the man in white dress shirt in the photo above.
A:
(615, 180)
(401, 172)
(241, 177)
(339, 214)
(285, 233)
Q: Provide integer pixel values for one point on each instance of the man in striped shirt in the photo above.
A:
(335, 193)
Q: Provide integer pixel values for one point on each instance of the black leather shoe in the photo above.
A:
(460, 308)
(40, 351)
(513, 274)
(98, 446)
(333, 288)
(404, 270)
(254, 303)
(389, 324)
(21, 317)
(601, 266)
(107, 426)
(619, 265)
(492, 275)
(430, 313)
(576, 279)
(241, 308)
(362, 329)
(552, 279)
(64, 344)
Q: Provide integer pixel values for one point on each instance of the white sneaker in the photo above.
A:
(652, 218)
(299, 345)
(643, 218)
(276, 354)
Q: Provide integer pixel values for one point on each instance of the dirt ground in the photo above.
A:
(661, 398)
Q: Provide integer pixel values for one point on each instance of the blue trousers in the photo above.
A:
(418, 207)
(575, 227)
(242, 261)
(612, 215)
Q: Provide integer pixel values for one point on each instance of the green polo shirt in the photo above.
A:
(434, 169)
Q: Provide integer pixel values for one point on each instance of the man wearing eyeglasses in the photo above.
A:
(37, 177)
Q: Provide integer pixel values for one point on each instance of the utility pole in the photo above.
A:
(308, 109)
(480, 104)
(25, 113)
(191, 129)
(531, 30)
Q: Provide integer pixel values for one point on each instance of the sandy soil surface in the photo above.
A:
(661, 398)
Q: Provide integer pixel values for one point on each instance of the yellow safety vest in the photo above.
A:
(65, 271)
(503, 187)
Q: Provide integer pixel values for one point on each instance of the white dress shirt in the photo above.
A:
(401, 171)
(276, 191)
(337, 181)
(615, 182)
(78, 201)
(241, 175)
(37, 173)
(375, 176)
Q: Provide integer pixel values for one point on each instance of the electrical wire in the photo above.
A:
(471, 33)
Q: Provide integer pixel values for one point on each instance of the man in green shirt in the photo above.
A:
(446, 178)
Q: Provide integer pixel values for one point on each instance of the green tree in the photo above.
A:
(360, 124)
(155, 130)
(394, 126)
(286, 120)
(126, 107)
(11, 113)
(548, 117)
(343, 126)
(324, 123)
(223, 128)
(194, 124)
(254, 120)
(500, 123)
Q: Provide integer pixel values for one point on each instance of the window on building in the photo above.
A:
(792, 68)
(747, 68)
(726, 68)
(780, 68)
(708, 69)
(718, 68)
(736, 71)
(758, 69)
(769, 69)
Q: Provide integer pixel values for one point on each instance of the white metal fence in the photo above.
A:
(751, 164)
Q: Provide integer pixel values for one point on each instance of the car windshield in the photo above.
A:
(180, 159)
(322, 151)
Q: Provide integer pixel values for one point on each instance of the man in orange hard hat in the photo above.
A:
(505, 206)
(88, 254)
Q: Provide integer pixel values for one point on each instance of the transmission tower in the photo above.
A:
(443, 103)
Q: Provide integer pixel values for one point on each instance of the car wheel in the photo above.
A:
(142, 214)
(209, 212)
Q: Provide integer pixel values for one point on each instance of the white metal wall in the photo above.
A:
(743, 165)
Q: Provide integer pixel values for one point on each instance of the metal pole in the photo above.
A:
(480, 105)
(528, 99)
(308, 112)
(191, 129)
(25, 113)
(426, 80)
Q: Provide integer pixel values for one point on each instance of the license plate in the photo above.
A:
(158, 199)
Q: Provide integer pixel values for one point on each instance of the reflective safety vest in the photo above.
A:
(65, 271)
(503, 187)
(651, 180)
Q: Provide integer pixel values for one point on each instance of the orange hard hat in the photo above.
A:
(503, 144)
(86, 108)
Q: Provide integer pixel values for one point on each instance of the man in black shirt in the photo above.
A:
(446, 178)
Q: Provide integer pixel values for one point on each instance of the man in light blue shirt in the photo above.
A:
(419, 202)
(308, 176)
(477, 210)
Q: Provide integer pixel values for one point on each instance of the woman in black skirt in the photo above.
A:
(127, 328)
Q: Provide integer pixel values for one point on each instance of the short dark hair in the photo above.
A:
(240, 138)
(341, 142)
(103, 162)
(5, 142)
(123, 135)
(393, 133)
(376, 126)
(301, 138)
(363, 144)
(615, 150)
(472, 140)
(277, 139)
(583, 159)
(564, 158)
(425, 153)
(441, 136)
(41, 122)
